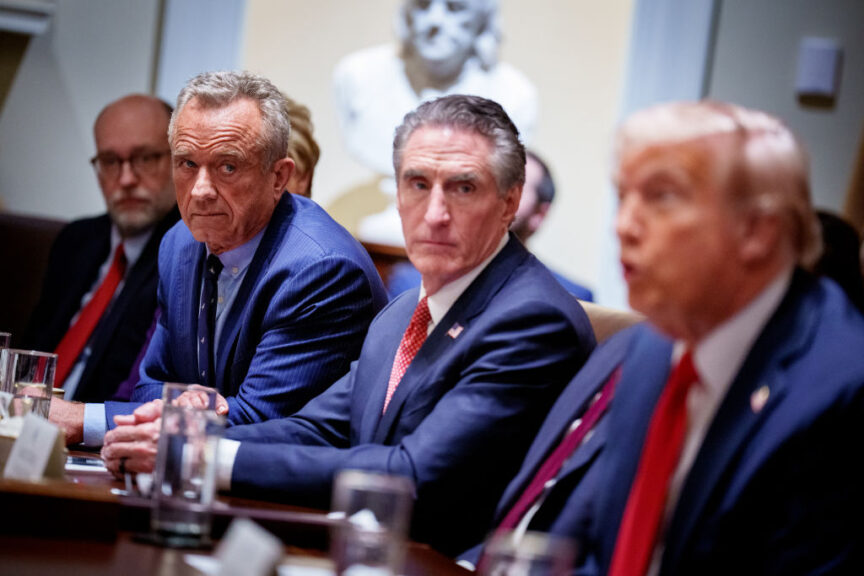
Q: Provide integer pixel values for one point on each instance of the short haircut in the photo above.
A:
(474, 114)
(546, 187)
(219, 89)
(302, 147)
(756, 159)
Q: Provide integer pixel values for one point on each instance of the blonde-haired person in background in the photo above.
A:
(302, 148)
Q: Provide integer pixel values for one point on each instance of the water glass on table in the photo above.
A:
(376, 514)
(527, 554)
(184, 479)
(29, 377)
(5, 339)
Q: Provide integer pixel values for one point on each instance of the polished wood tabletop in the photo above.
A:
(86, 523)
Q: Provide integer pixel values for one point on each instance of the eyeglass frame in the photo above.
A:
(133, 159)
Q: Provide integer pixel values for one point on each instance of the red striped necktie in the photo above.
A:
(76, 337)
(411, 342)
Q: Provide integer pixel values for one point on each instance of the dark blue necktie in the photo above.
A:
(207, 320)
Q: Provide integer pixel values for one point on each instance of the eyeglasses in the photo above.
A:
(110, 166)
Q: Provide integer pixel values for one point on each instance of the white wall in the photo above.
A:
(94, 51)
(573, 50)
(755, 63)
(670, 45)
(197, 36)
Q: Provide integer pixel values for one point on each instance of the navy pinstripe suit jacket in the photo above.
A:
(298, 320)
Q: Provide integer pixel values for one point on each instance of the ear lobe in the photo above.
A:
(512, 203)
(759, 237)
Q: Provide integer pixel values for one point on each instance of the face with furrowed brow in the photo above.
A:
(225, 193)
(453, 216)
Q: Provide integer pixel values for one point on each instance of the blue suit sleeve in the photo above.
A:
(312, 329)
(462, 453)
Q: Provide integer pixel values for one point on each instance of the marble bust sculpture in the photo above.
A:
(445, 47)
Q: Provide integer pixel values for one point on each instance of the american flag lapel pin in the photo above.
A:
(455, 330)
(759, 398)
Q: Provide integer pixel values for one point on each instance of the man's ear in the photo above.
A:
(282, 170)
(760, 234)
(511, 200)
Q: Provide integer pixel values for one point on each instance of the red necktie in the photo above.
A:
(552, 465)
(411, 342)
(643, 515)
(76, 337)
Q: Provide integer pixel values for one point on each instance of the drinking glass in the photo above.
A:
(29, 376)
(377, 515)
(5, 339)
(184, 480)
(527, 554)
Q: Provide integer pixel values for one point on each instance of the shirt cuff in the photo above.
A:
(94, 424)
(226, 453)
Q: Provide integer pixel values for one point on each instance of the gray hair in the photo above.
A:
(759, 161)
(474, 114)
(219, 89)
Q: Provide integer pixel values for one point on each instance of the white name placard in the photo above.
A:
(30, 453)
(248, 549)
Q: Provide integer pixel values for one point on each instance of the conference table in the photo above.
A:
(87, 523)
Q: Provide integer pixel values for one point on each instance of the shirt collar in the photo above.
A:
(441, 302)
(132, 246)
(236, 260)
(719, 356)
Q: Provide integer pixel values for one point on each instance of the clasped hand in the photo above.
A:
(131, 446)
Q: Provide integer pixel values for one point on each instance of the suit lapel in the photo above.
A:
(643, 377)
(448, 333)
(375, 365)
(187, 297)
(140, 279)
(82, 275)
(128, 297)
(785, 335)
(270, 243)
(83, 272)
(571, 404)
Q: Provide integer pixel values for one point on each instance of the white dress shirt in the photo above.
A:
(717, 358)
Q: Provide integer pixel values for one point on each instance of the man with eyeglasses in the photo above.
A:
(99, 294)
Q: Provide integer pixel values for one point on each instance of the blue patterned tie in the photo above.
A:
(207, 319)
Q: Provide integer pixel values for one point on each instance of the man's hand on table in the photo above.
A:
(198, 399)
(131, 446)
(70, 417)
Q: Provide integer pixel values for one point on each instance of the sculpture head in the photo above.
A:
(444, 34)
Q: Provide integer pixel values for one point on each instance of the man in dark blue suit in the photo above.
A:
(291, 293)
(501, 338)
(454, 377)
(724, 448)
(133, 168)
(538, 192)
